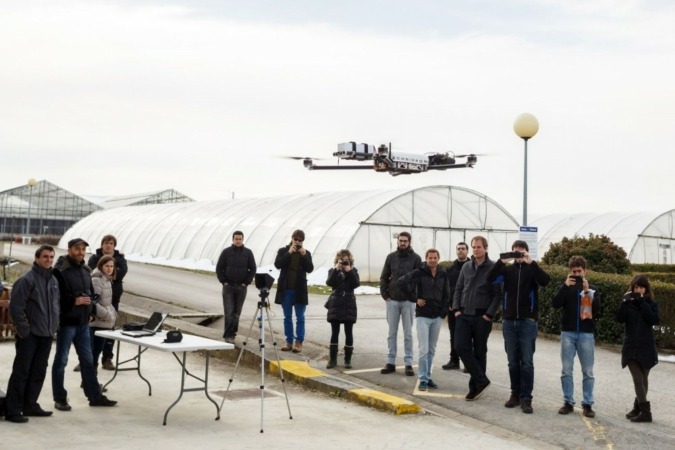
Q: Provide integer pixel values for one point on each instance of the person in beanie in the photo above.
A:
(341, 304)
(294, 263)
(639, 313)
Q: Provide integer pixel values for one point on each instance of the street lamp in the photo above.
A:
(31, 184)
(526, 127)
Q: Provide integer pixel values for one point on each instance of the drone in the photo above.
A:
(384, 160)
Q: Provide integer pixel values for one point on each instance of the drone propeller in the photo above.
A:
(300, 158)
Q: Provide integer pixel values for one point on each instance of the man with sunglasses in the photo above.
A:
(399, 307)
(294, 262)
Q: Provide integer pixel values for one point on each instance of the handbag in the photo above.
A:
(329, 301)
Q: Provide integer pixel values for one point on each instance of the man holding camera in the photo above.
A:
(580, 303)
(76, 301)
(294, 262)
(235, 271)
(519, 318)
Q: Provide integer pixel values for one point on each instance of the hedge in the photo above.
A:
(612, 288)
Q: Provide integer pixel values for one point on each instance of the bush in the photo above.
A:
(660, 268)
(612, 288)
(601, 254)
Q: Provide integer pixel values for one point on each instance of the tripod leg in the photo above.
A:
(281, 372)
(241, 353)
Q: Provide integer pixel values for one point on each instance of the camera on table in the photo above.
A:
(509, 255)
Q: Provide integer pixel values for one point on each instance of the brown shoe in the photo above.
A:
(512, 402)
(287, 347)
(566, 408)
(107, 364)
(297, 347)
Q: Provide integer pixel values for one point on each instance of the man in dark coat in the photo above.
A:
(34, 308)
(235, 271)
(108, 244)
(294, 262)
(75, 294)
(400, 308)
(462, 250)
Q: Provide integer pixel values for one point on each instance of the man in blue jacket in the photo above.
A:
(580, 303)
(519, 319)
(235, 271)
(34, 308)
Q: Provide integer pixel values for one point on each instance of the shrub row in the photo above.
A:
(661, 268)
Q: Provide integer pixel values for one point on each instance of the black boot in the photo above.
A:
(645, 413)
(348, 357)
(635, 411)
(332, 360)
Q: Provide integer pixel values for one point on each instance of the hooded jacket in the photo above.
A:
(396, 265)
(104, 312)
(521, 288)
(121, 269)
(638, 318)
(342, 307)
(34, 304)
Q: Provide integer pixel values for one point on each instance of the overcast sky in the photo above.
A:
(109, 98)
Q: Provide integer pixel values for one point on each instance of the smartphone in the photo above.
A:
(509, 255)
(579, 280)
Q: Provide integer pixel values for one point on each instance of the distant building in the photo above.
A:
(51, 210)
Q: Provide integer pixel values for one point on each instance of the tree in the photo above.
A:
(601, 254)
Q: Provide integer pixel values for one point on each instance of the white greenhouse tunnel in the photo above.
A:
(192, 235)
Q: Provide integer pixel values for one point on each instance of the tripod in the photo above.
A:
(262, 316)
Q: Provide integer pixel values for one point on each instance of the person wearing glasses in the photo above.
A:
(294, 262)
(400, 308)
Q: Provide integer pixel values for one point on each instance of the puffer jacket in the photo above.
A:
(34, 303)
(396, 265)
(104, 312)
(342, 307)
(639, 318)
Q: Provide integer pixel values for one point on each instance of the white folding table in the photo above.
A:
(189, 343)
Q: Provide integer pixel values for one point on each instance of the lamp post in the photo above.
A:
(31, 184)
(526, 127)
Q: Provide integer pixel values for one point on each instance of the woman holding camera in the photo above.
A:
(103, 311)
(639, 313)
(341, 304)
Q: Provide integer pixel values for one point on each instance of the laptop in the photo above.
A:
(150, 328)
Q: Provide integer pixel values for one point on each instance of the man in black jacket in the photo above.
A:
(75, 293)
(294, 262)
(400, 308)
(580, 303)
(108, 244)
(521, 281)
(34, 308)
(475, 304)
(462, 250)
(235, 271)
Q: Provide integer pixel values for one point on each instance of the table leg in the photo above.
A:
(137, 369)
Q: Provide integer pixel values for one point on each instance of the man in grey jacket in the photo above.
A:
(399, 309)
(475, 304)
(34, 308)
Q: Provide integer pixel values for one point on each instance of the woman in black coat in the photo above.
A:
(341, 304)
(639, 313)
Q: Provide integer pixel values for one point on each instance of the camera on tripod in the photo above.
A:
(264, 282)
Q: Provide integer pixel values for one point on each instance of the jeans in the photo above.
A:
(472, 333)
(288, 306)
(520, 337)
(583, 344)
(233, 302)
(80, 337)
(28, 373)
(427, 337)
(402, 311)
(451, 325)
